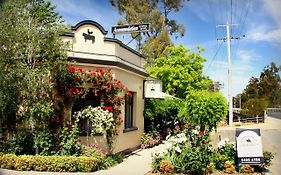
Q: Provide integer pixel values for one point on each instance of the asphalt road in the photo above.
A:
(271, 139)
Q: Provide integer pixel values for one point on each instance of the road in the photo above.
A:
(270, 133)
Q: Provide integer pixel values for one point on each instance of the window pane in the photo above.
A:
(129, 111)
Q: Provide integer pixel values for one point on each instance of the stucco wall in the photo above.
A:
(125, 140)
(99, 49)
(135, 84)
(111, 50)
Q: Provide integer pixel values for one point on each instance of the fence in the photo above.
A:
(238, 118)
(273, 109)
(257, 119)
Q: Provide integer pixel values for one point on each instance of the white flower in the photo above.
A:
(223, 142)
(177, 148)
(195, 131)
(101, 120)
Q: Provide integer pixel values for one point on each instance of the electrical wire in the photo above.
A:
(217, 51)
(241, 28)
(213, 20)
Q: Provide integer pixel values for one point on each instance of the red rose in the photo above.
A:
(72, 69)
(80, 70)
(108, 68)
(108, 108)
(201, 132)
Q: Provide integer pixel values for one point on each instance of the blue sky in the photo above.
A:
(259, 20)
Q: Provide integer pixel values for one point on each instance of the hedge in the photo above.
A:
(49, 163)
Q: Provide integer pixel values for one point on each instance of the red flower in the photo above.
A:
(80, 70)
(129, 94)
(201, 133)
(108, 68)
(102, 72)
(108, 108)
(72, 69)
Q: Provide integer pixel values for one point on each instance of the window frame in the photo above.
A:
(129, 109)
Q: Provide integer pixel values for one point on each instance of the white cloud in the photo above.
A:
(75, 11)
(273, 8)
(261, 18)
(243, 68)
(265, 35)
(265, 23)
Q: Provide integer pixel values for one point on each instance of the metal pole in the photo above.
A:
(230, 109)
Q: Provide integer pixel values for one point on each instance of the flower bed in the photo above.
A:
(191, 153)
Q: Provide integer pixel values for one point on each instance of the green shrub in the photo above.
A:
(223, 154)
(191, 160)
(45, 142)
(190, 153)
(93, 151)
(22, 143)
(162, 116)
(204, 109)
(267, 157)
(155, 165)
(69, 141)
(49, 163)
(254, 107)
(110, 161)
(150, 140)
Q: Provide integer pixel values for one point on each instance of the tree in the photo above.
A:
(204, 109)
(270, 85)
(267, 86)
(155, 12)
(254, 107)
(30, 51)
(180, 70)
(215, 86)
(252, 89)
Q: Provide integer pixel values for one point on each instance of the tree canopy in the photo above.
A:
(157, 13)
(267, 86)
(30, 51)
(204, 109)
(180, 70)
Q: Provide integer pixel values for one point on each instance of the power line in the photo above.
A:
(217, 51)
(213, 20)
(231, 16)
(240, 30)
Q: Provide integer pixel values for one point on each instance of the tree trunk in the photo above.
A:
(67, 114)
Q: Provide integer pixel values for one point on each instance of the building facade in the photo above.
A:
(90, 48)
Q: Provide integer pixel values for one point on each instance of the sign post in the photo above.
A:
(249, 146)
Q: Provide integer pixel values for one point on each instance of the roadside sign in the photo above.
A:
(249, 146)
(130, 28)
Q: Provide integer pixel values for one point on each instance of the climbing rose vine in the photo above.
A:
(74, 82)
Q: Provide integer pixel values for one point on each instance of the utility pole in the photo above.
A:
(230, 99)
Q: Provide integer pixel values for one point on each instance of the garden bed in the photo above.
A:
(216, 173)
